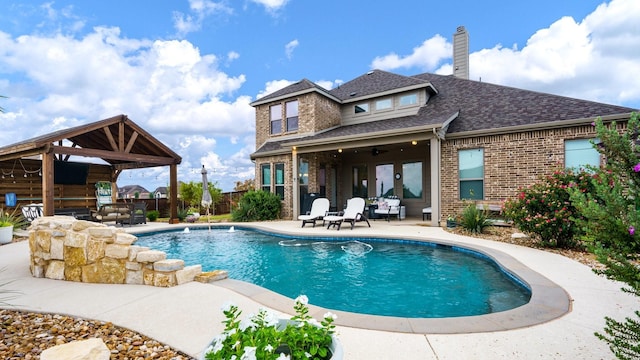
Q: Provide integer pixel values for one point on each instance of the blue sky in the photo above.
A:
(186, 71)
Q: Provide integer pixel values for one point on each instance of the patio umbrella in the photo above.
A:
(206, 195)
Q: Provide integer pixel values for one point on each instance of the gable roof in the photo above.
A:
(459, 107)
(301, 87)
(376, 83)
(117, 140)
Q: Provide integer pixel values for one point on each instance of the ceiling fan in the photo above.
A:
(375, 151)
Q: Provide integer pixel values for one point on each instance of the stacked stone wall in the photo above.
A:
(64, 248)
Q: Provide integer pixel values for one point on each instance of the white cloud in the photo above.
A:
(589, 59)
(288, 49)
(272, 5)
(274, 85)
(426, 56)
(200, 10)
(167, 87)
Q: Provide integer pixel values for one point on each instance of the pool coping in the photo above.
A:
(548, 300)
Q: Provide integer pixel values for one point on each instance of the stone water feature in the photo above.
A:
(64, 248)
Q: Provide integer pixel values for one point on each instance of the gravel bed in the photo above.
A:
(25, 335)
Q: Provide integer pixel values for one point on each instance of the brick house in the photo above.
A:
(431, 140)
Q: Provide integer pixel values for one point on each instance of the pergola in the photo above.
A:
(118, 141)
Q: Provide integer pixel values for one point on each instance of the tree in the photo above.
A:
(191, 193)
(1, 108)
(610, 219)
(246, 185)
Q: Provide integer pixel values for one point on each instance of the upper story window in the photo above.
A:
(291, 111)
(361, 108)
(410, 99)
(276, 119)
(384, 104)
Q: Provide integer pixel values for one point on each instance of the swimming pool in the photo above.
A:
(368, 276)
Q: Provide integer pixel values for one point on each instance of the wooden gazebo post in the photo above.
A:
(173, 193)
(47, 182)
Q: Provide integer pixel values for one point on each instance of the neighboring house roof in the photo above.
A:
(459, 105)
(161, 190)
(131, 190)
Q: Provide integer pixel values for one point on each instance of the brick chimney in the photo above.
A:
(461, 53)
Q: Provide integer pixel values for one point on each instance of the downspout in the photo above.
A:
(435, 178)
(295, 189)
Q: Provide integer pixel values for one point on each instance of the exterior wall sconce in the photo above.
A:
(340, 150)
(413, 142)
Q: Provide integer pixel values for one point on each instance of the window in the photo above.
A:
(471, 174)
(361, 108)
(292, 115)
(266, 177)
(580, 153)
(276, 119)
(412, 180)
(384, 180)
(384, 104)
(360, 183)
(279, 167)
(410, 99)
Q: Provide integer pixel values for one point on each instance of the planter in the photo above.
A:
(451, 224)
(6, 234)
(337, 352)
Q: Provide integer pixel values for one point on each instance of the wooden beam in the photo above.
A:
(112, 141)
(112, 155)
(132, 141)
(121, 135)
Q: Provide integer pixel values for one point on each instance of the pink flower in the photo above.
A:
(632, 230)
(637, 167)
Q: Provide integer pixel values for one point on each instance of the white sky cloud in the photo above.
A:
(291, 45)
(272, 5)
(569, 58)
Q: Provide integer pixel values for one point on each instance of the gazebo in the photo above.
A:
(39, 169)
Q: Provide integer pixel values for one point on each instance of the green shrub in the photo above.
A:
(611, 225)
(257, 205)
(182, 214)
(474, 219)
(545, 210)
(153, 215)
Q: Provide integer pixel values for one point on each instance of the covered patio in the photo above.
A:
(42, 170)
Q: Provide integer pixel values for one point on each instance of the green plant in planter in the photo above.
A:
(262, 336)
(13, 218)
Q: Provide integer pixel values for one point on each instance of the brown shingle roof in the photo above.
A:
(297, 87)
(482, 106)
(375, 82)
(485, 106)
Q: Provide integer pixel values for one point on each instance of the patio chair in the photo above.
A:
(353, 213)
(388, 208)
(319, 209)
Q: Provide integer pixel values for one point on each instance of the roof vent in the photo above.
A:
(370, 72)
(353, 94)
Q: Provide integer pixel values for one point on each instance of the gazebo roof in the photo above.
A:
(117, 140)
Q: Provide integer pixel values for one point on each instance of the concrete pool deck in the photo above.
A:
(187, 317)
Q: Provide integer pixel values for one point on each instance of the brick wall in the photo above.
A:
(511, 161)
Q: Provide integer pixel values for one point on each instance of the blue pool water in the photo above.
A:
(391, 278)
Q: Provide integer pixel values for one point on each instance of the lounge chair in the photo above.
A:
(319, 209)
(352, 214)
